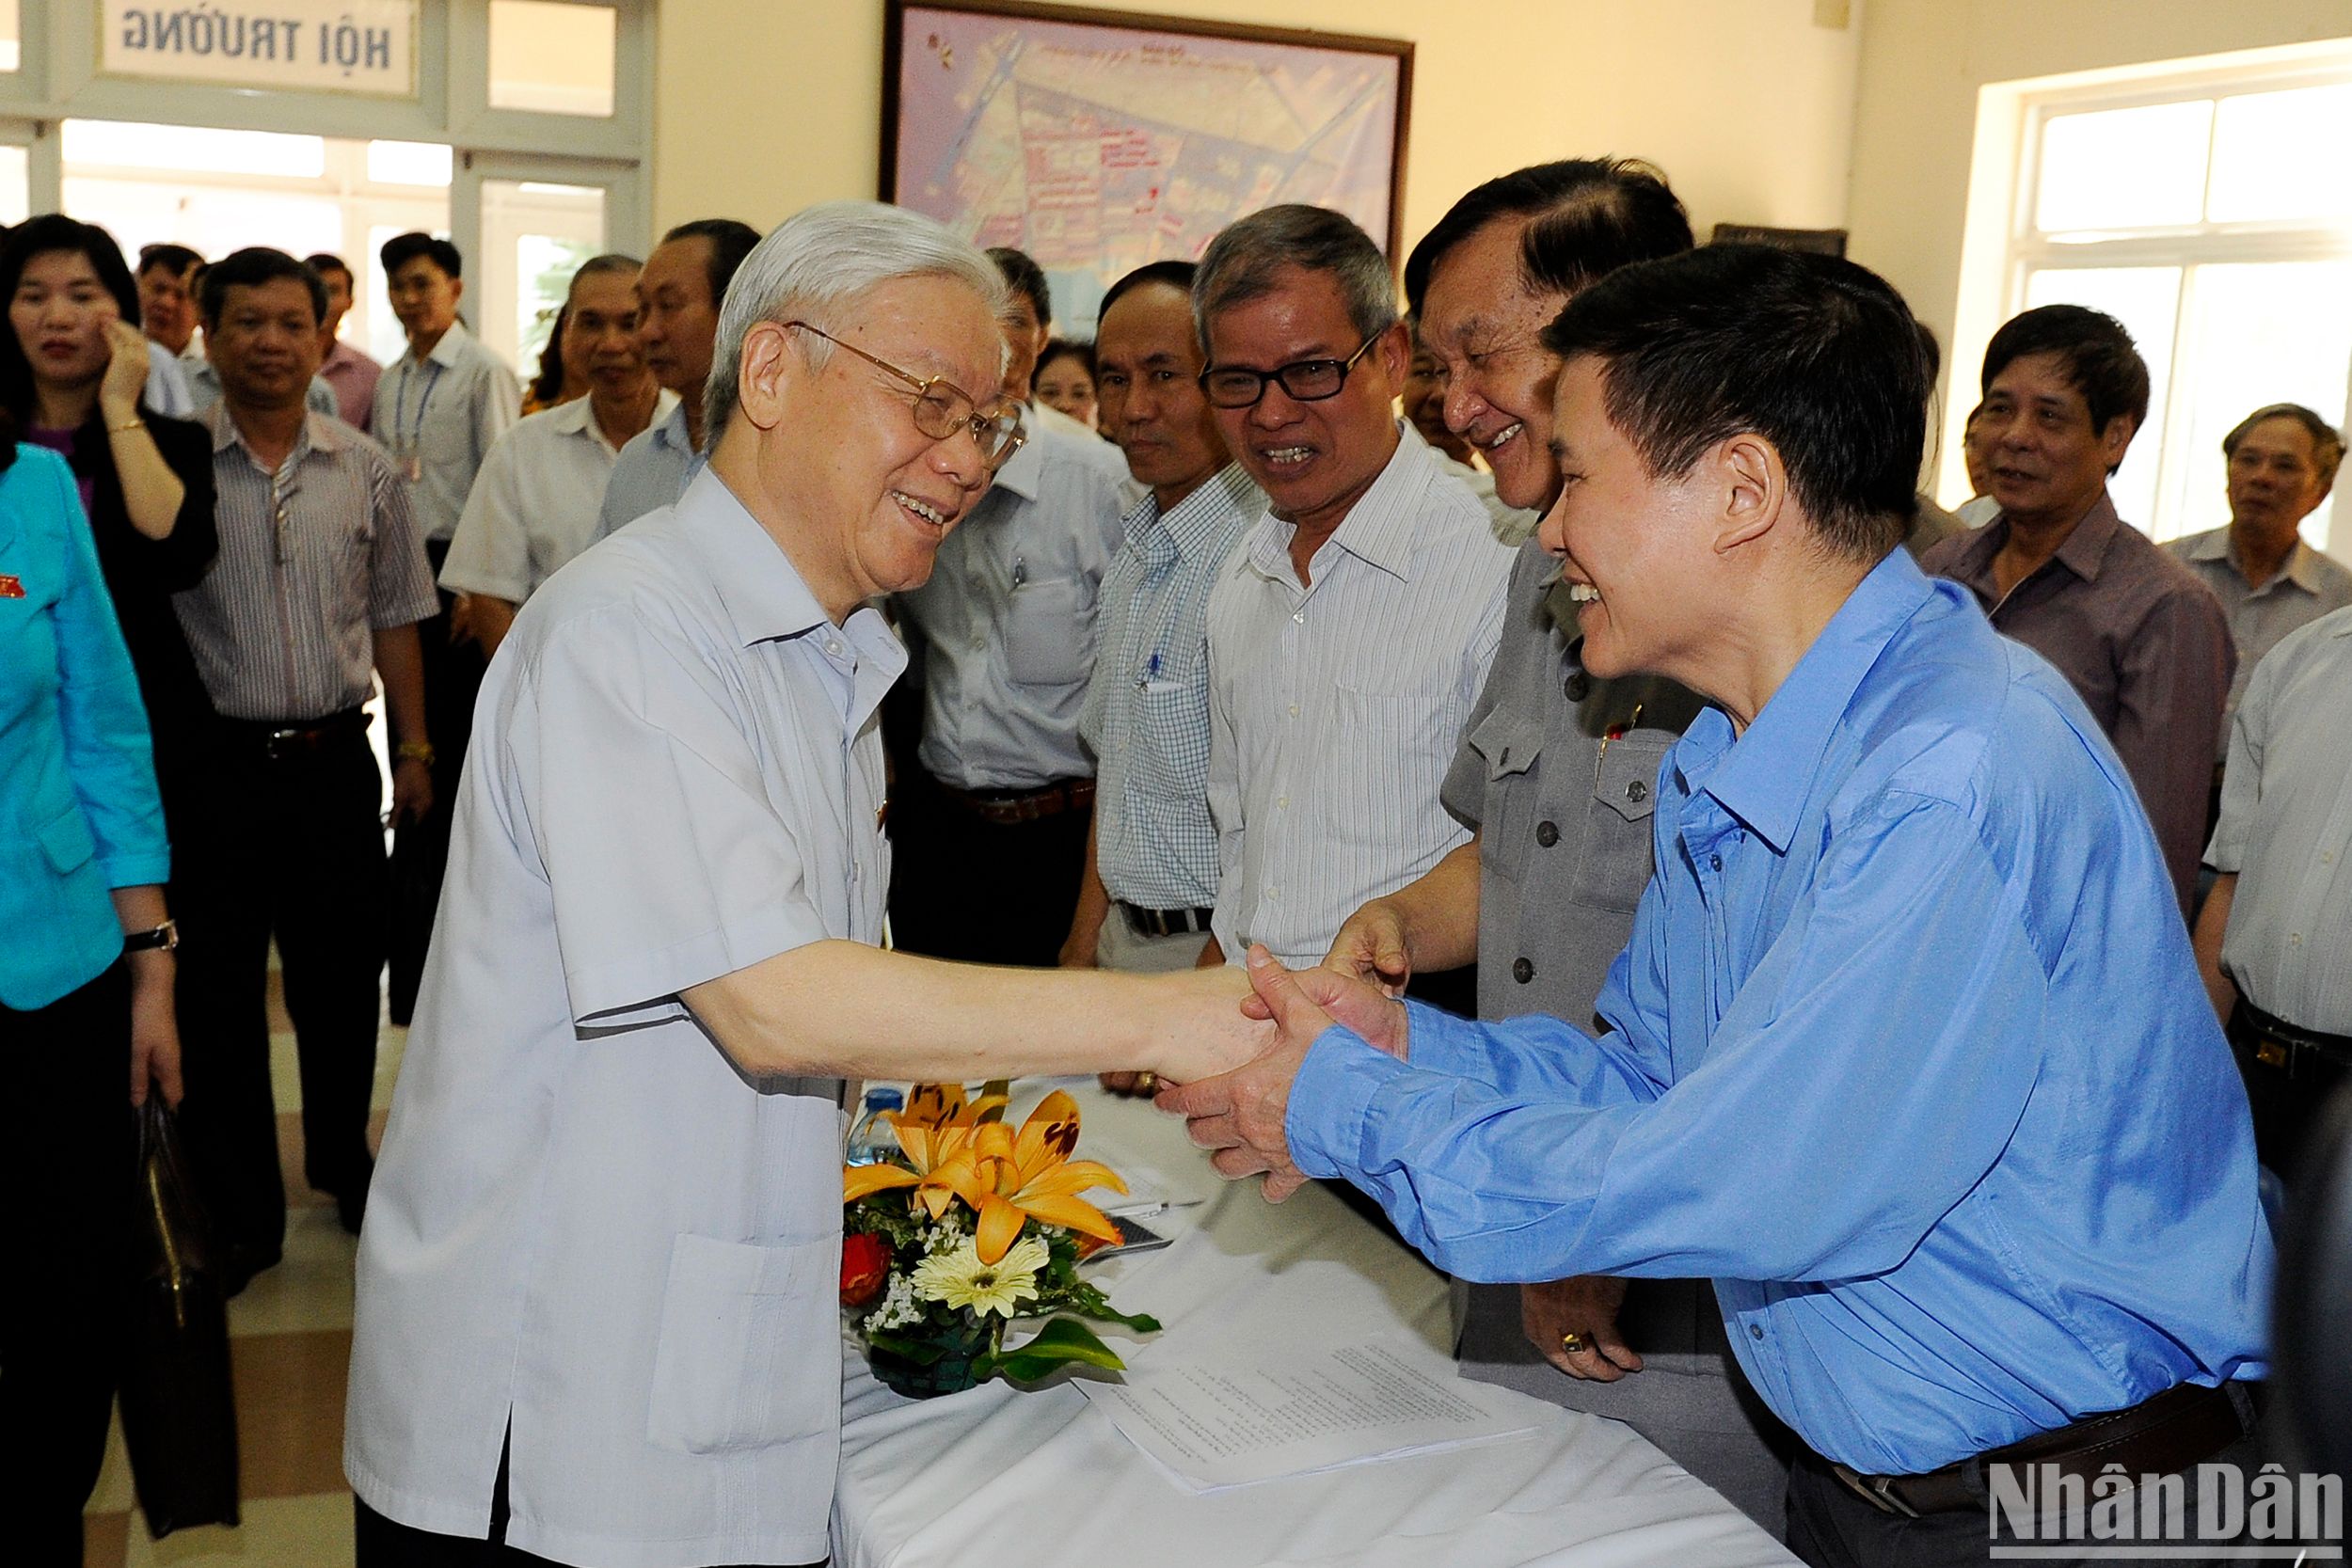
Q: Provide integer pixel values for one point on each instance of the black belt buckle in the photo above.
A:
(1877, 1491)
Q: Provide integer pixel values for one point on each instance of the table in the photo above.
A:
(999, 1478)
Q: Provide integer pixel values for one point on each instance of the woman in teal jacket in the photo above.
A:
(85, 995)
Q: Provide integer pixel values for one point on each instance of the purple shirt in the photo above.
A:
(2144, 645)
(61, 442)
(352, 375)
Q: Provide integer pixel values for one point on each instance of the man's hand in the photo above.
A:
(1586, 1308)
(1344, 999)
(412, 789)
(1371, 946)
(1198, 1029)
(1242, 1114)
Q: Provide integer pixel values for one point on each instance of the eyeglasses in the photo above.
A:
(943, 410)
(1304, 380)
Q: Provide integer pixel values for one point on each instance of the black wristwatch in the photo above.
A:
(165, 936)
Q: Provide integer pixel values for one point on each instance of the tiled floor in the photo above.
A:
(290, 1344)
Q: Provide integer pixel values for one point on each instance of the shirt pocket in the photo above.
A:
(1615, 864)
(1510, 745)
(749, 1350)
(66, 840)
(1383, 755)
(1169, 746)
(1049, 632)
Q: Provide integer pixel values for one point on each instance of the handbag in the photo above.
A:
(179, 1408)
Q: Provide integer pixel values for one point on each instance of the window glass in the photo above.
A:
(2147, 301)
(2279, 155)
(2119, 168)
(534, 236)
(408, 163)
(123, 145)
(12, 37)
(2256, 334)
(552, 58)
(16, 183)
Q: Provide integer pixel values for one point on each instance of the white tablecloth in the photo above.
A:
(997, 1478)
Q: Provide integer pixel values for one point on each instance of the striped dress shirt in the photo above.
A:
(1335, 707)
(1147, 712)
(314, 559)
(2286, 831)
(442, 412)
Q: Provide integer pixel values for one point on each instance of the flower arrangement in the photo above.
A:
(972, 1225)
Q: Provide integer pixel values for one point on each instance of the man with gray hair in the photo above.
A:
(597, 1318)
(1350, 632)
(2283, 461)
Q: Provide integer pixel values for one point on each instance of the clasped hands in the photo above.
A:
(1240, 1112)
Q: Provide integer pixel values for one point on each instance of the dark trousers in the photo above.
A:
(981, 891)
(1831, 1528)
(453, 679)
(68, 1149)
(299, 856)
(2287, 1087)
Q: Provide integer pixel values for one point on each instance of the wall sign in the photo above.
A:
(358, 46)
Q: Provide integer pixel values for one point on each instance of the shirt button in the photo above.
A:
(1755, 1331)
(1300, 616)
(1637, 791)
(1577, 687)
(1522, 970)
(1547, 834)
(1715, 863)
(1283, 801)
(2295, 938)
(1294, 710)
(1274, 893)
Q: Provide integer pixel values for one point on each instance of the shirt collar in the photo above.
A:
(1025, 470)
(762, 591)
(672, 432)
(2083, 552)
(579, 418)
(1764, 776)
(319, 433)
(452, 347)
(1225, 498)
(1378, 530)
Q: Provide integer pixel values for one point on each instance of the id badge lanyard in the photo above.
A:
(408, 439)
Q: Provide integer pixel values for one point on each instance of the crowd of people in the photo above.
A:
(1262, 685)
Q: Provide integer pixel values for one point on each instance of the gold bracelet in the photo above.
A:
(415, 751)
(127, 424)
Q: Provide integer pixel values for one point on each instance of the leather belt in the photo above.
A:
(1006, 810)
(281, 739)
(2273, 1042)
(2158, 1436)
(1166, 923)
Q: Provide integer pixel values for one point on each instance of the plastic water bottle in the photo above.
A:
(873, 1139)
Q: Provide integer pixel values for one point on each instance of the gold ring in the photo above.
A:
(1147, 1082)
(1572, 1343)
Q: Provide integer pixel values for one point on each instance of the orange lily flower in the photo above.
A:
(1032, 1176)
(936, 1131)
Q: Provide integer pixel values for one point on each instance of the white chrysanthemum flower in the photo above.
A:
(958, 1278)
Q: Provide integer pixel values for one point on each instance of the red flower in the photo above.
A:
(865, 1267)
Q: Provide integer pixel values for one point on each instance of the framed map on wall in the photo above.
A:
(1100, 140)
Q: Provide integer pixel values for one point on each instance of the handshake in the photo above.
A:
(1228, 1065)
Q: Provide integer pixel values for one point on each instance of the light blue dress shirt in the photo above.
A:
(652, 472)
(1908, 1053)
(79, 814)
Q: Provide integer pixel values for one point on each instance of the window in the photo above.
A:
(2209, 218)
(553, 57)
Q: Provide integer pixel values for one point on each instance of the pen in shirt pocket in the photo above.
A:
(1150, 681)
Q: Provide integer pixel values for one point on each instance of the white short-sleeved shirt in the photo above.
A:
(536, 502)
(586, 1222)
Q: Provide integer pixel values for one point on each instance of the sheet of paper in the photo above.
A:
(1216, 1426)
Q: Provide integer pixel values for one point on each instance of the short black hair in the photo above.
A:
(1026, 278)
(401, 249)
(174, 258)
(731, 240)
(1818, 356)
(1589, 216)
(250, 268)
(326, 261)
(2101, 363)
(1176, 274)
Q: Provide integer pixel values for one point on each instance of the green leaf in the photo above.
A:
(921, 1351)
(1060, 1343)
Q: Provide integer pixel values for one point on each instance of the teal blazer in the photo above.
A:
(79, 814)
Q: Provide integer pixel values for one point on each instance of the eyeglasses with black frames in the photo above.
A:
(1302, 380)
(943, 409)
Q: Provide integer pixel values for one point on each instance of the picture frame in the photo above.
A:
(1099, 140)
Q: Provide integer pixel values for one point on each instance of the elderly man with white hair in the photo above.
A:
(598, 1314)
